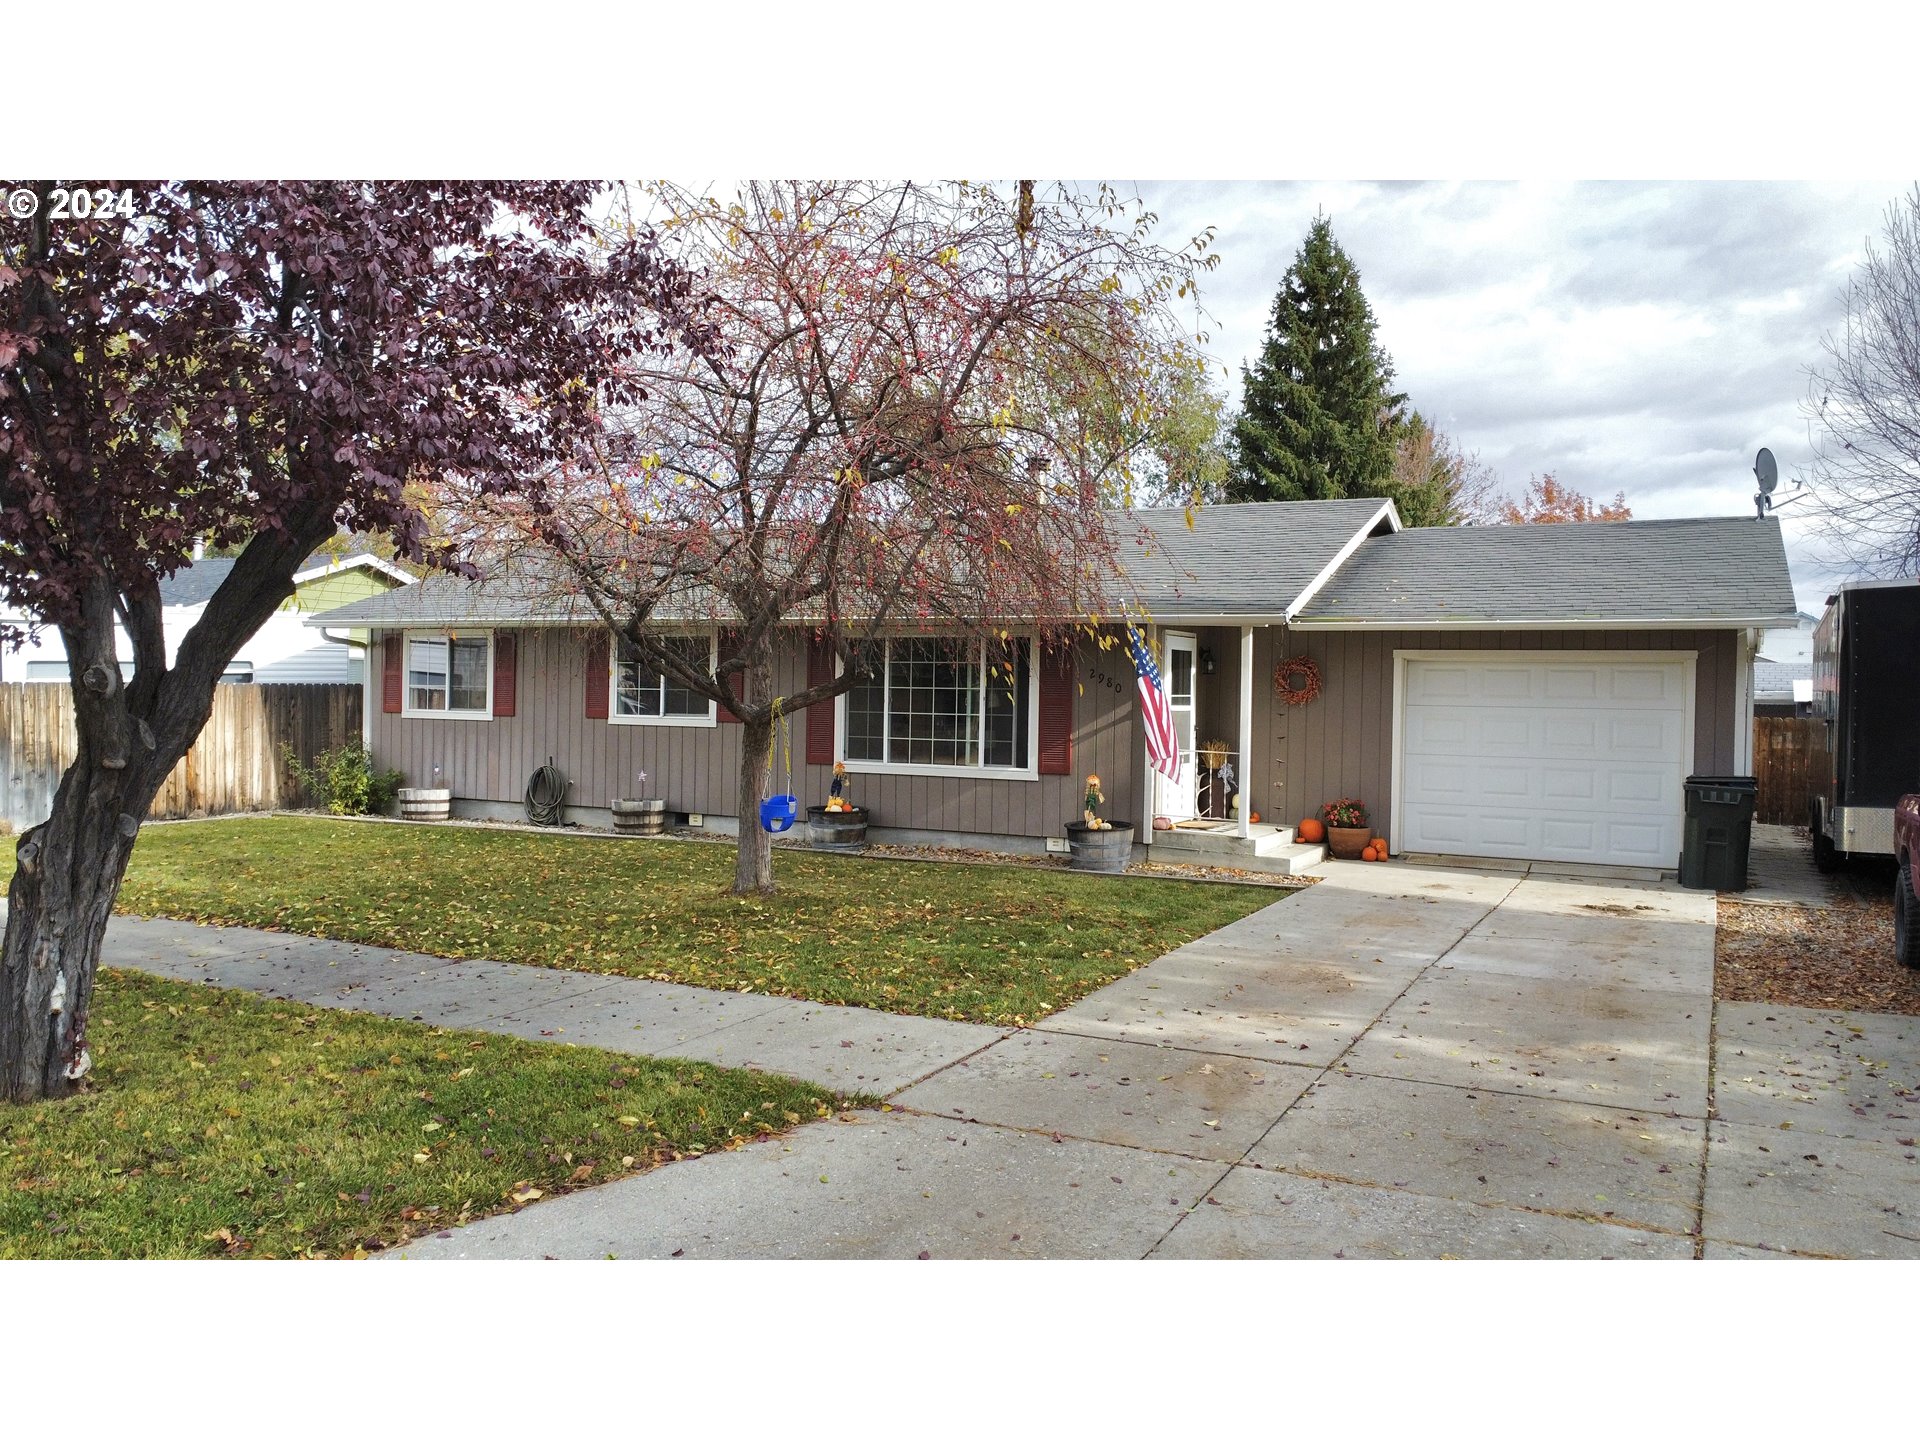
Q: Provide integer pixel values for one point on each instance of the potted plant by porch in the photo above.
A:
(1097, 844)
(839, 824)
(1347, 828)
(640, 816)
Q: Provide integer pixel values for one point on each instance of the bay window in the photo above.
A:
(943, 704)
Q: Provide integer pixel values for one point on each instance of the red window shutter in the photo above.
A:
(597, 683)
(820, 713)
(734, 681)
(392, 673)
(1056, 712)
(506, 674)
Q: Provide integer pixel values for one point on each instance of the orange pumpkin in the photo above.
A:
(1254, 818)
(1369, 854)
(1312, 831)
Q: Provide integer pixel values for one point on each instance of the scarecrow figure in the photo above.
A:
(837, 791)
(1094, 799)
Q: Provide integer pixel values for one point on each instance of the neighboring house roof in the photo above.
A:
(1776, 683)
(320, 566)
(194, 584)
(1638, 572)
(1327, 562)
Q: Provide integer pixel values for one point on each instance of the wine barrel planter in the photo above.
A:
(640, 817)
(1347, 841)
(837, 829)
(1107, 851)
(425, 804)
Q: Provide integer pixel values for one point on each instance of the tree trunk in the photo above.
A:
(753, 858)
(130, 735)
(70, 868)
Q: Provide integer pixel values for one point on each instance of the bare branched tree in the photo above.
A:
(1863, 408)
(925, 400)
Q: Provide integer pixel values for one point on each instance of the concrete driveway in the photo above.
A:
(1401, 1061)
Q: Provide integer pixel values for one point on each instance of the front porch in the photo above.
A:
(1270, 849)
(1213, 806)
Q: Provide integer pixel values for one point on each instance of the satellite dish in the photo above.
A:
(1766, 471)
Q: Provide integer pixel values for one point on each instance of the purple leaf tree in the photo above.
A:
(256, 365)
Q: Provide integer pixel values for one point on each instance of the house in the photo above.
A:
(1792, 646)
(1782, 689)
(1533, 692)
(284, 651)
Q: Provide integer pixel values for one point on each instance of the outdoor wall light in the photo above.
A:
(1206, 661)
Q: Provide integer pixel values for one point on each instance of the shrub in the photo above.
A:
(343, 779)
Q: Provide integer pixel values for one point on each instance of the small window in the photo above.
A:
(449, 675)
(645, 696)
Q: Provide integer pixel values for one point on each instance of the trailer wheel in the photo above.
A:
(1906, 919)
(1826, 859)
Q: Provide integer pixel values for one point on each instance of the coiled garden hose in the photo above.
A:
(546, 795)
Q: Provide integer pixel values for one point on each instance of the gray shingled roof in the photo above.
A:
(1251, 559)
(1256, 560)
(1236, 560)
(1773, 680)
(194, 584)
(1715, 571)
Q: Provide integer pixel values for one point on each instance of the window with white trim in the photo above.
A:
(645, 696)
(944, 703)
(450, 674)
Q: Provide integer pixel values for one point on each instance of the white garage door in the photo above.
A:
(1562, 759)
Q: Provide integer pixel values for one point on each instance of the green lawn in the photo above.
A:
(1002, 945)
(217, 1123)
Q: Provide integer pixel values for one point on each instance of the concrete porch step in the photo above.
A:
(1269, 849)
(1262, 840)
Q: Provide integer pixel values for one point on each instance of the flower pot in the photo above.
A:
(1107, 851)
(837, 829)
(425, 804)
(640, 817)
(1347, 841)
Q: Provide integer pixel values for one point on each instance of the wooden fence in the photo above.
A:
(235, 764)
(1783, 747)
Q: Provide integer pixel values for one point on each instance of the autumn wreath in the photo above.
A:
(1297, 681)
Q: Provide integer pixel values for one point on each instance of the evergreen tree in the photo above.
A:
(1319, 418)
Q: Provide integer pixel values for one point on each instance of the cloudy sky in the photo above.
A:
(1646, 338)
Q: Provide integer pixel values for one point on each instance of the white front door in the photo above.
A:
(1578, 757)
(1178, 798)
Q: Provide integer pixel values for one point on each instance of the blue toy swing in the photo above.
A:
(778, 812)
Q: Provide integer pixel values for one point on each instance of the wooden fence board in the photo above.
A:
(235, 764)
(1783, 748)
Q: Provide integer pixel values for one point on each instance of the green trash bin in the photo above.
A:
(1719, 831)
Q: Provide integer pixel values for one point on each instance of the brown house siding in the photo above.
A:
(1302, 756)
(1342, 743)
(696, 768)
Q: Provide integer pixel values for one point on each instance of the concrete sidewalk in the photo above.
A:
(869, 1052)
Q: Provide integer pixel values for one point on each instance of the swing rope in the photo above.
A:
(777, 812)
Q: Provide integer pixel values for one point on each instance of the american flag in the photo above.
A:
(1163, 753)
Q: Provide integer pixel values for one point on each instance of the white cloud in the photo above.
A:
(1638, 337)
